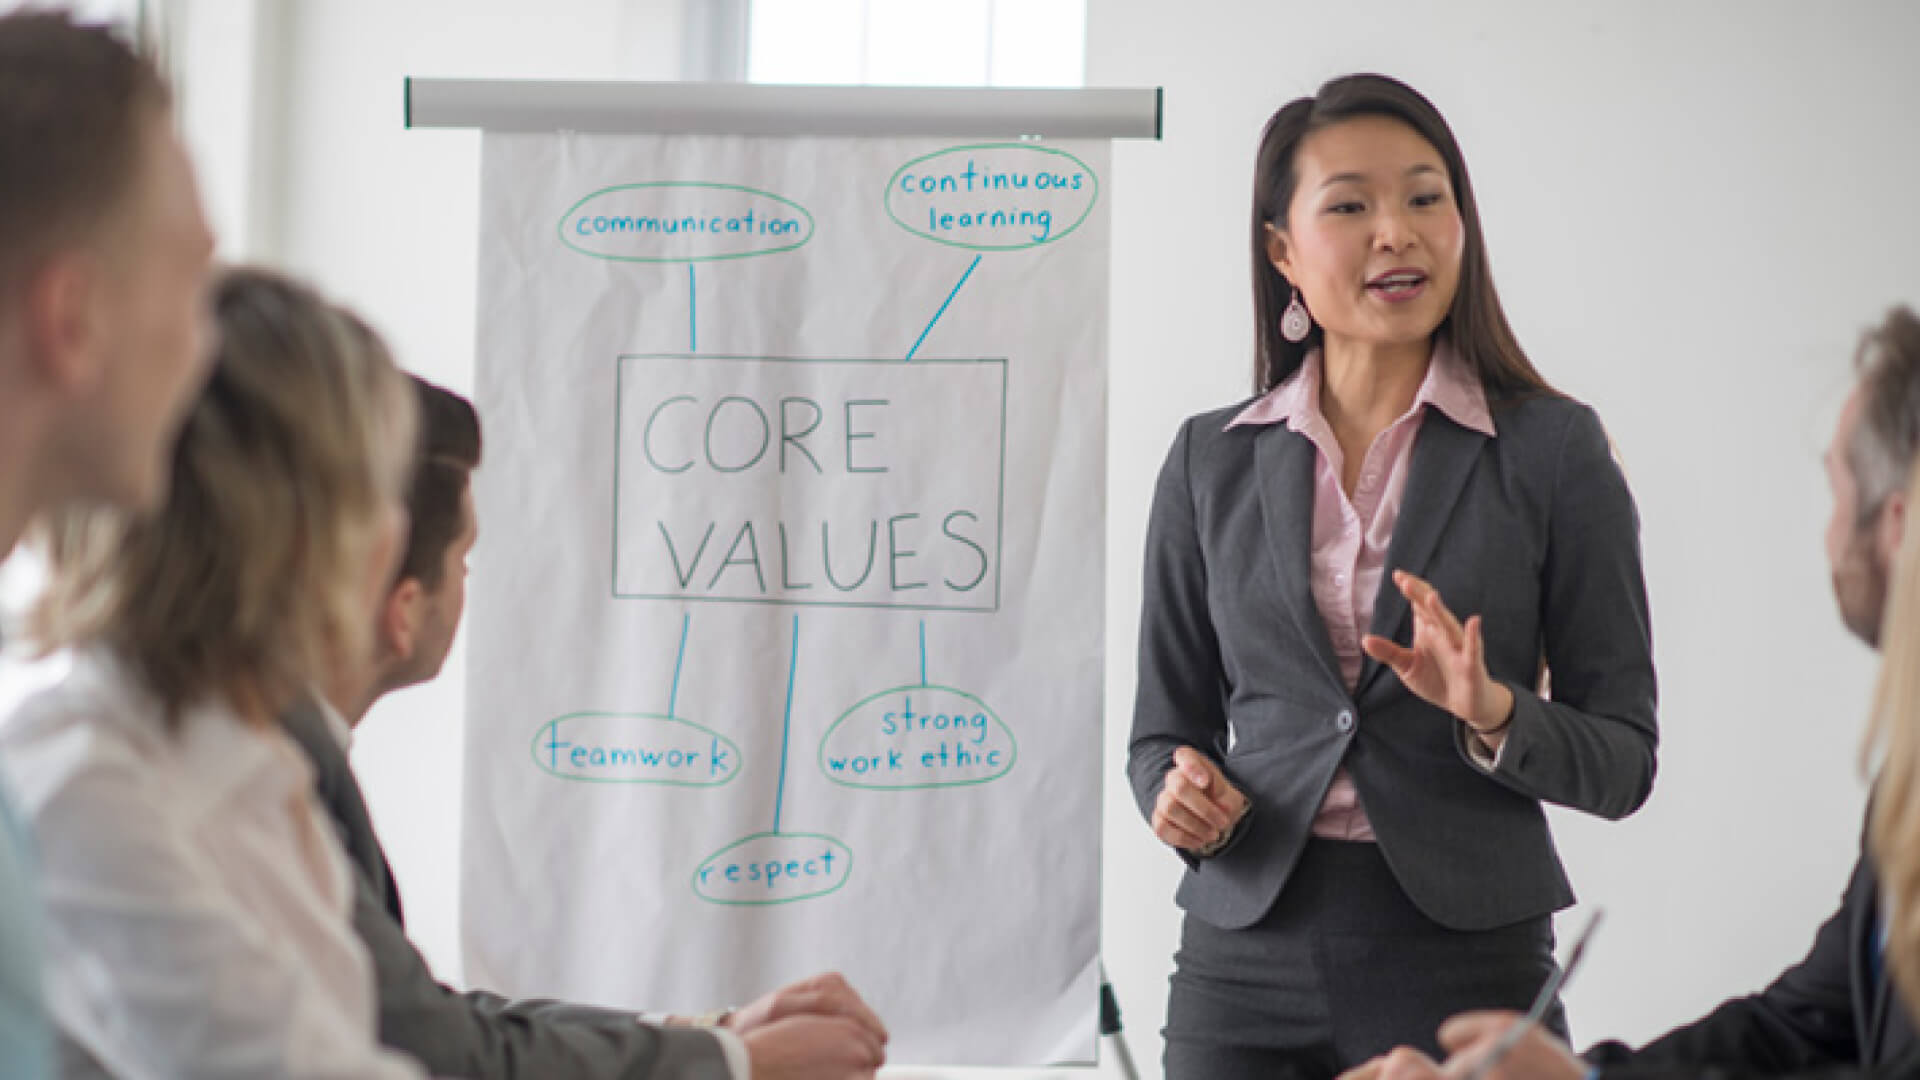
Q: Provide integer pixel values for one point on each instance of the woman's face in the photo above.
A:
(1373, 235)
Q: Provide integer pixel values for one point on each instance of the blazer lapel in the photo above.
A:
(1284, 471)
(1443, 458)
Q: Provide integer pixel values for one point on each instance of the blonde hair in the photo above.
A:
(246, 584)
(1893, 737)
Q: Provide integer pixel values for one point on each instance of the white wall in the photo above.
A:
(1692, 210)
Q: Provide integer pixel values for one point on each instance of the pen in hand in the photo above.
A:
(1541, 1003)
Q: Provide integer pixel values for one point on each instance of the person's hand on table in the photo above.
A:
(1198, 807)
(808, 1047)
(827, 994)
(1447, 665)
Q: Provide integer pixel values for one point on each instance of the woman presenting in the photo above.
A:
(1354, 585)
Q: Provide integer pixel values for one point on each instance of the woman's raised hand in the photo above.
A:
(1447, 664)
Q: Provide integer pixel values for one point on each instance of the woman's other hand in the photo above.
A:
(1198, 807)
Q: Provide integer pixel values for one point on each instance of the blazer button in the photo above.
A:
(1344, 721)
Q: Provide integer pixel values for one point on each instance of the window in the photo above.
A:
(918, 42)
(125, 14)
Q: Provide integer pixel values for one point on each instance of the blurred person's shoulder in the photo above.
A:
(94, 724)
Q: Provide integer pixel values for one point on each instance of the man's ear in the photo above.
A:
(62, 323)
(1891, 529)
(400, 620)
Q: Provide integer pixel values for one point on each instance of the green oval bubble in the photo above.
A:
(704, 878)
(909, 783)
(893, 191)
(639, 230)
(697, 765)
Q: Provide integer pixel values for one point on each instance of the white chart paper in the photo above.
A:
(786, 620)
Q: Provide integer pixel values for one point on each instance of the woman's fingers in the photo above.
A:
(1388, 652)
(1204, 804)
(1200, 824)
(1197, 805)
(1195, 766)
(1424, 598)
(1174, 836)
(1206, 774)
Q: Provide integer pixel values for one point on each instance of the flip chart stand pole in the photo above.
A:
(1110, 1027)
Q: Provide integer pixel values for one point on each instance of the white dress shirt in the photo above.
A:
(197, 900)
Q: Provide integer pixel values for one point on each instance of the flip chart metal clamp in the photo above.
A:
(763, 109)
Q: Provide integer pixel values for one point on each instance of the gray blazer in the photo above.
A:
(476, 1034)
(1534, 529)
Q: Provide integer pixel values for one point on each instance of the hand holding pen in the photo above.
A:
(1493, 1045)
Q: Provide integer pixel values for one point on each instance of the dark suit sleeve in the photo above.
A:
(487, 1037)
(1592, 746)
(479, 1035)
(1804, 1020)
(1181, 699)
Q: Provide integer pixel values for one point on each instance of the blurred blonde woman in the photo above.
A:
(1894, 740)
(197, 898)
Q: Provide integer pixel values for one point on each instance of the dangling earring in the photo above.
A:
(1295, 323)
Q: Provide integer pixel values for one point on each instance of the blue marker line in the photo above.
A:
(673, 696)
(923, 652)
(793, 662)
(693, 335)
(943, 307)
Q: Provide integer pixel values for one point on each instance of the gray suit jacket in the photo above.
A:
(1534, 529)
(476, 1034)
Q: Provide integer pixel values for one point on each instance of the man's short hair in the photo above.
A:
(73, 104)
(449, 428)
(1887, 438)
(449, 452)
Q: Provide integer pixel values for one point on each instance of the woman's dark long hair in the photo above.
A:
(1476, 325)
